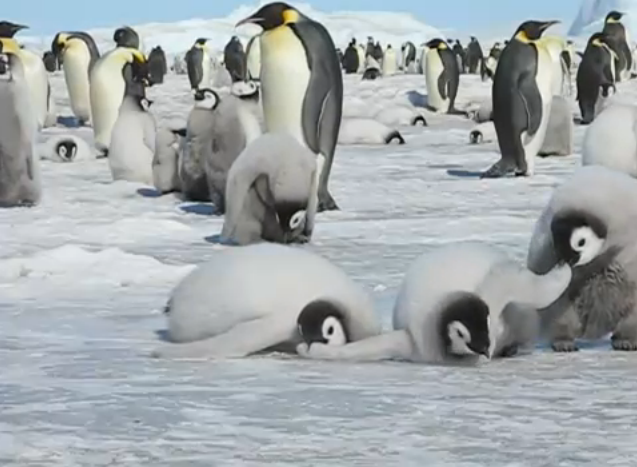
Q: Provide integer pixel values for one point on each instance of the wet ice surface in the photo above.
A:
(85, 275)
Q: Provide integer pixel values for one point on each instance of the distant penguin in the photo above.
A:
(475, 56)
(157, 66)
(618, 41)
(408, 56)
(611, 139)
(556, 46)
(271, 192)
(367, 131)
(483, 133)
(455, 305)
(133, 142)
(253, 58)
(559, 132)
(461, 56)
(522, 100)
(360, 49)
(65, 148)
(166, 161)
(389, 61)
(113, 76)
(234, 125)
(301, 84)
(207, 318)
(350, 59)
(372, 69)
(378, 52)
(179, 65)
(78, 53)
(126, 37)
(595, 75)
(198, 64)
(20, 175)
(234, 59)
(50, 62)
(442, 76)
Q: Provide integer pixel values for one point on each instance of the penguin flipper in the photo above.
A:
(532, 101)
(443, 82)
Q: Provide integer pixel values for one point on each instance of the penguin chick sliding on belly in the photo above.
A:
(367, 131)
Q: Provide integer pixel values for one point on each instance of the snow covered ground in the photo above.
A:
(84, 276)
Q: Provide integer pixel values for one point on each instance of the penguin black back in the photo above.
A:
(157, 66)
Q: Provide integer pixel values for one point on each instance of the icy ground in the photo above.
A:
(84, 276)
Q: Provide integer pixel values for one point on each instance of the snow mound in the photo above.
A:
(592, 13)
(72, 263)
(176, 38)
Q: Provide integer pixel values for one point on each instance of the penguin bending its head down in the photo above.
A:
(301, 83)
(522, 94)
(20, 174)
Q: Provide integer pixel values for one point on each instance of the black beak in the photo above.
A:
(548, 24)
(249, 20)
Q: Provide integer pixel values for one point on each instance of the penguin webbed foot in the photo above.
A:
(327, 203)
(624, 345)
(564, 346)
(501, 169)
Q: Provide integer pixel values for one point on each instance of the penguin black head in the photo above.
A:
(475, 137)
(578, 237)
(9, 29)
(206, 99)
(246, 90)
(201, 41)
(464, 326)
(599, 39)
(66, 150)
(532, 30)
(126, 37)
(292, 218)
(437, 44)
(321, 321)
(273, 15)
(613, 17)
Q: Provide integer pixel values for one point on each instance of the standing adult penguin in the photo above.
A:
(360, 49)
(389, 61)
(378, 52)
(595, 75)
(616, 32)
(20, 174)
(126, 37)
(408, 55)
(461, 56)
(350, 58)
(157, 66)
(78, 53)
(234, 59)
(253, 58)
(522, 95)
(198, 64)
(115, 75)
(475, 56)
(301, 83)
(442, 76)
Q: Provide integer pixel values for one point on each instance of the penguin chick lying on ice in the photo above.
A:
(367, 131)
(65, 148)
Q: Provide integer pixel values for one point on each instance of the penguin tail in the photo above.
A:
(394, 135)
(419, 119)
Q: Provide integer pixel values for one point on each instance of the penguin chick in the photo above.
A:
(322, 321)
(396, 115)
(367, 131)
(166, 160)
(65, 148)
(482, 133)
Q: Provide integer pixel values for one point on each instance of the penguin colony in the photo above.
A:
(262, 151)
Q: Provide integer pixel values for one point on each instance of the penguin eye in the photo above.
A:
(581, 242)
(330, 330)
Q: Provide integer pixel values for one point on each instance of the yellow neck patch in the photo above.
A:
(62, 38)
(442, 46)
(522, 37)
(290, 16)
(597, 43)
(612, 20)
(9, 46)
(200, 46)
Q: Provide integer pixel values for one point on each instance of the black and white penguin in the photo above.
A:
(522, 95)
(198, 64)
(595, 75)
(408, 56)
(50, 62)
(378, 52)
(157, 65)
(301, 83)
(461, 56)
(475, 56)
(442, 76)
(126, 37)
(617, 39)
(78, 53)
(350, 58)
(253, 58)
(234, 59)
(389, 61)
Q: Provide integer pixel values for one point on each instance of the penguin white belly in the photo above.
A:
(38, 83)
(611, 140)
(76, 62)
(107, 89)
(129, 158)
(254, 59)
(205, 67)
(284, 80)
(361, 59)
(389, 63)
(433, 69)
(544, 82)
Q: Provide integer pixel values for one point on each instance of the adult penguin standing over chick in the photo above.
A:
(616, 32)
(302, 83)
(198, 64)
(595, 75)
(234, 58)
(522, 96)
(78, 53)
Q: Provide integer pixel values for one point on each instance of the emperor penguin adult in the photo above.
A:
(198, 64)
(112, 77)
(618, 40)
(522, 96)
(408, 56)
(234, 59)
(475, 56)
(301, 84)
(442, 76)
(20, 174)
(595, 75)
(126, 37)
(157, 65)
(78, 54)
(389, 61)
(253, 58)
(350, 58)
